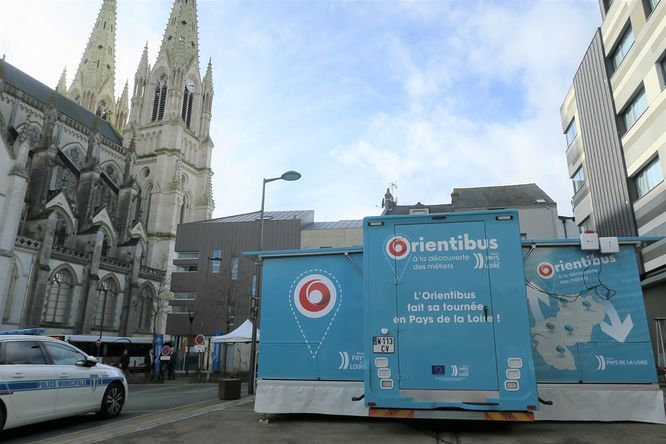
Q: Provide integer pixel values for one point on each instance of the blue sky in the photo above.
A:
(430, 95)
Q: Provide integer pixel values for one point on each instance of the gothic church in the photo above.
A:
(93, 187)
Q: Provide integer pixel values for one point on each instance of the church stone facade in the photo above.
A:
(92, 187)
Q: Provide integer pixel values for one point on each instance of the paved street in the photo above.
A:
(143, 400)
(236, 422)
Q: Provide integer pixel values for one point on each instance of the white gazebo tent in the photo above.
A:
(241, 334)
(236, 346)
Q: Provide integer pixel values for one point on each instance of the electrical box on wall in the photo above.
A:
(609, 245)
(589, 241)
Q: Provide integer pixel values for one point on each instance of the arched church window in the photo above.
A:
(107, 294)
(58, 297)
(75, 156)
(160, 99)
(60, 234)
(105, 197)
(67, 182)
(111, 173)
(188, 96)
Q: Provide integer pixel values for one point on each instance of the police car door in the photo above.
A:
(78, 388)
(29, 378)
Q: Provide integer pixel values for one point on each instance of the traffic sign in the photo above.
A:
(198, 349)
(200, 340)
(166, 350)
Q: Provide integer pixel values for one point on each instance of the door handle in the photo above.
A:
(63, 375)
(18, 375)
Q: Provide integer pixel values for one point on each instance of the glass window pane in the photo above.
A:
(184, 295)
(62, 354)
(649, 177)
(571, 132)
(23, 352)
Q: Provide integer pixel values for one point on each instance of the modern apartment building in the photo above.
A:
(614, 120)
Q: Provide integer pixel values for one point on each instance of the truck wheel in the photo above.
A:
(113, 400)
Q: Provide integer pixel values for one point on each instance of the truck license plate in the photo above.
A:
(383, 344)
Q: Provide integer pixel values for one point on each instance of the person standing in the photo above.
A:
(149, 363)
(171, 366)
(125, 362)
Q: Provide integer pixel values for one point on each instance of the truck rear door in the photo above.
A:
(445, 338)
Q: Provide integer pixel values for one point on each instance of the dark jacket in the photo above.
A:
(124, 361)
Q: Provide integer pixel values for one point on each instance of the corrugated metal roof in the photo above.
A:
(499, 196)
(307, 216)
(42, 93)
(336, 225)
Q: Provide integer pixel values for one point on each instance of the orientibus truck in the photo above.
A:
(452, 316)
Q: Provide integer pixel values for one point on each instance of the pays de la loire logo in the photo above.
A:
(397, 247)
(315, 296)
(545, 270)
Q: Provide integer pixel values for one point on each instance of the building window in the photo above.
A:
(187, 255)
(578, 179)
(58, 297)
(184, 295)
(182, 309)
(188, 96)
(107, 293)
(650, 6)
(648, 178)
(186, 268)
(586, 225)
(217, 261)
(634, 110)
(234, 268)
(160, 99)
(622, 48)
(571, 132)
(662, 68)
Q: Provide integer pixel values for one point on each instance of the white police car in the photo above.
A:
(42, 378)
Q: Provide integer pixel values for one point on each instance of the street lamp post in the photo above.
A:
(191, 317)
(102, 289)
(254, 310)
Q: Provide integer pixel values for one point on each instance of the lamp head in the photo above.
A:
(291, 175)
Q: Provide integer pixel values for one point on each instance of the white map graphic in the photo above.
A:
(573, 323)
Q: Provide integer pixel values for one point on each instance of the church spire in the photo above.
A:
(62, 83)
(180, 43)
(93, 85)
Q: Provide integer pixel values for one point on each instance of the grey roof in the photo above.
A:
(503, 196)
(307, 216)
(336, 225)
(432, 209)
(42, 93)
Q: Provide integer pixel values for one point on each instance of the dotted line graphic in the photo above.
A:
(338, 302)
(392, 261)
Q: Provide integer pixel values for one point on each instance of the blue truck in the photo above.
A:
(453, 316)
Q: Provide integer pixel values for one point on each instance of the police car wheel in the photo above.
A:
(113, 400)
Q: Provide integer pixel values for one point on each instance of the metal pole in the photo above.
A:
(101, 327)
(255, 306)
